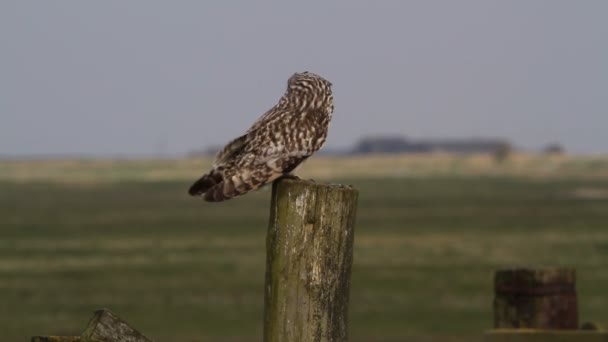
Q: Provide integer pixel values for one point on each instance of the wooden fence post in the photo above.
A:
(540, 299)
(309, 259)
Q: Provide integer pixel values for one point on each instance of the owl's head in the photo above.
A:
(309, 91)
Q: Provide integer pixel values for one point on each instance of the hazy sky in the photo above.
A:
(145, 77)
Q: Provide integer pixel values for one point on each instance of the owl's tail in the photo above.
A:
(215, 188)
(206, 182)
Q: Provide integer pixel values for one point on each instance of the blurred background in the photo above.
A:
(475, 132)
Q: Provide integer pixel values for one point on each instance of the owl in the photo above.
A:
(279, 141)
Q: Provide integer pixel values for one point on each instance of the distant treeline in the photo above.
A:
(384, 144)
(399, 144)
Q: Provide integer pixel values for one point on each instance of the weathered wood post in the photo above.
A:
(538, 305)
(105, 326)
(309, 259)
(535, 298)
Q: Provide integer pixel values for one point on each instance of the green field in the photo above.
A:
(180, 269)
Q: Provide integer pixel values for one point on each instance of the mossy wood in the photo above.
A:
(539, 299)
(105, 326)
(309, 259)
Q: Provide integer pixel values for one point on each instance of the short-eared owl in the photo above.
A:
(275, 145)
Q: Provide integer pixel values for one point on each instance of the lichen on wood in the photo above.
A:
(105, 326)
(108, 327)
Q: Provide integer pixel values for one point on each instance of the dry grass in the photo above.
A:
(407, 165)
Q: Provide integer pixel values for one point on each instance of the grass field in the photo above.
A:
(184, 270)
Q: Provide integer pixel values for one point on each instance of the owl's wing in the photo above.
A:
(281, 145)
(263, 126)
(275, 145)
(230, 150)
(273, 115)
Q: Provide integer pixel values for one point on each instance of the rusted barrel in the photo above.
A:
(535, 298)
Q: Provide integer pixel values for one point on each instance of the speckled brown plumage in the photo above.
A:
(275, 145)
